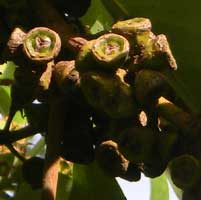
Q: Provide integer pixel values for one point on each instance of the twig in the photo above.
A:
(13, 136)
(6, 82)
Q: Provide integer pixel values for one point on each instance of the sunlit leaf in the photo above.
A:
(177, 190)
(4, 101)
(19, 118)
(90, 183)
(97, 18)
(7, 70)
(37, 149)
(159, 188)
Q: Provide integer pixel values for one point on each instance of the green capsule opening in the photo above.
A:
(42, 44)
(111, 49)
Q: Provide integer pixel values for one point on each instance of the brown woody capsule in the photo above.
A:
(132, 173)
(44, 80)
(166, 144)
(137, 144)
(149, 85)
(64, 76)
(110, 50)
(41, 44)
(76, 43)
(84, 61)
(132, 26)
(108, 94)
(172, 113)
(13, 50)
(67, 79)
(110, 159)
(154, 168)
(154, 52)
(161, 46)
(16, 39)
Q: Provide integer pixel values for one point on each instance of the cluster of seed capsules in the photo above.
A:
(120, 109)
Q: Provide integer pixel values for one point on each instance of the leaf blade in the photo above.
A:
(89, 183)
(159, 188)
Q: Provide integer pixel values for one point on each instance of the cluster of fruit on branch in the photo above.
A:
(118, 105)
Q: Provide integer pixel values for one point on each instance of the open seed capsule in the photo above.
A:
(185, 171)
(162, 47)
(132, 26)
(108, 94)
(154, 52)
(110, 50)
(41, 44)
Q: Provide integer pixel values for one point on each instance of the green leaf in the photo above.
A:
(116, 9)
(90, 183)
(159, 188)
(19, 118)
(37, 149)
(4, 100)
(177, 190)
(97, 18)
(64, 186)
(7, 70)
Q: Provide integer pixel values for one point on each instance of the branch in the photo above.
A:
(55, 129)
(6, 82)
(7, 137)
